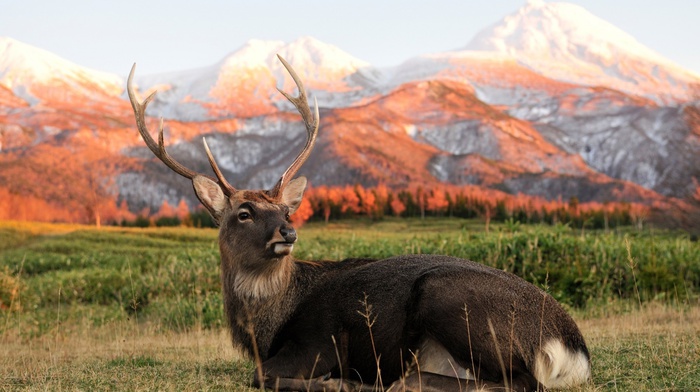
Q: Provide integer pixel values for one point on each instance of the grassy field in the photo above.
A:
(141, 309)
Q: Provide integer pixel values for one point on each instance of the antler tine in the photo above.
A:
(158, 149)
(311, 120)
(220, 176)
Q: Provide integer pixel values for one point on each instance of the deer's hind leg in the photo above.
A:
(458, 344)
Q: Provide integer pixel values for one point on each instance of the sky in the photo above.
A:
(172, 35)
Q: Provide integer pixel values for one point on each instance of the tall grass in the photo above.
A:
(580, 270)
(76, 299)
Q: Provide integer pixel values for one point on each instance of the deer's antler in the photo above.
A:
(311, 120)
(158, 149)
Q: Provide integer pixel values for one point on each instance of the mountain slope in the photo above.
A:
(421, 133)
(36, 75)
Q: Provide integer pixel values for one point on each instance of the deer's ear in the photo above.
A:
(211, 196)
(293, 193)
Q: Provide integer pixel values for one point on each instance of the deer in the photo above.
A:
(404, 323)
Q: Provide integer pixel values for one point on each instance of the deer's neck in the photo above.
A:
(265, 283)
(258, 301)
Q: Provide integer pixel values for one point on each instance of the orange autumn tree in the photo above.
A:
(382, 196)
(166, 210)
(303, 213)
(397, 207)
(368, 202)
(116, 213)
(320, 199)
(437, 202)
(350, 202)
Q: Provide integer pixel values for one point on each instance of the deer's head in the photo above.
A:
(255, 223)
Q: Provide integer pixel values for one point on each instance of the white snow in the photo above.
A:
(23, 65)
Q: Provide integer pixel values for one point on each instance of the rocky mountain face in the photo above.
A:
(551, 101)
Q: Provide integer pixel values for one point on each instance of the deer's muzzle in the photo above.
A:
(289, 237)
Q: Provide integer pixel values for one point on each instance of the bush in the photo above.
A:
(168, 221)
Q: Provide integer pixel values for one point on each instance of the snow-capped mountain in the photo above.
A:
(243, 83)
(36, 75)
(566, 42)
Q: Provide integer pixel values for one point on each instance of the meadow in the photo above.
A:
(141, 308)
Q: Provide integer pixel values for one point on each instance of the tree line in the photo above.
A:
(328, 204)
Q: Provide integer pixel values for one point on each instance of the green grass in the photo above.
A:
(141, 309)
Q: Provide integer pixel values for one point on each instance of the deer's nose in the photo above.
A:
(288, 233)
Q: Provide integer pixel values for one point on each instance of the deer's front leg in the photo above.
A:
(297, 365)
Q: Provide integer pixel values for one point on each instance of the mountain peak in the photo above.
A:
(304, 52)
(567, 42)
(557, 31)
(308, 50)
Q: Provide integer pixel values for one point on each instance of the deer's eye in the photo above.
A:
(286, 216)
(244, 216)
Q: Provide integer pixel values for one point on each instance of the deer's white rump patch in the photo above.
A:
(557, 366)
